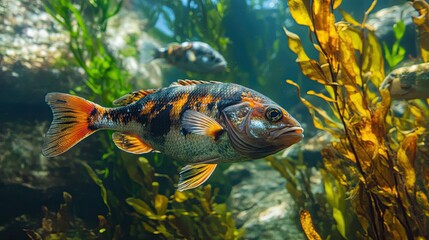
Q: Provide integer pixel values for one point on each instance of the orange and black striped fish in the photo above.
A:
(196, 122)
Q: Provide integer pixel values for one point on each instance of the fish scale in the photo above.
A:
(193, 148)
(195, 122)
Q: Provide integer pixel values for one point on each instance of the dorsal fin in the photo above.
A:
(133, 97)
(186, 82)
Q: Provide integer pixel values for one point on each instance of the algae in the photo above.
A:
(137, 207)
(377, 158)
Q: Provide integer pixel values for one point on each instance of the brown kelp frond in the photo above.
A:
(181, 215)
(376, 157)
(422, 23)
(64, 225)
(307, 225)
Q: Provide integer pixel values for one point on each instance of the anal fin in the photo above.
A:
(192, 176)
(130, 143)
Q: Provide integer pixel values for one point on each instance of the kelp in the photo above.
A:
(377, 156)
(329, 207)
(63, 225)
(422, 23)
(173, 214)
(307, 225)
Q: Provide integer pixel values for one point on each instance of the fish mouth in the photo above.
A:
(220, 67)
(288, 135)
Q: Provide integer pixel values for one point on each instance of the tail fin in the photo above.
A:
(71, 123)
(149, 51)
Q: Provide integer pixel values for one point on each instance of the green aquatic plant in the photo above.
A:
(168, 213)
(298, 184)
(396, 54)
(174, 214)
(377, 158)
(129, 186)
(86, 24)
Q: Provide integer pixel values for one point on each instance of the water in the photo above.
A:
(136, 194)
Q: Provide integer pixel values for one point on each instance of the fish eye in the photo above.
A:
(273, 114)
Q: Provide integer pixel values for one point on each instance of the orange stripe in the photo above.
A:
(72, 116)
(148, 107)
(178, 105)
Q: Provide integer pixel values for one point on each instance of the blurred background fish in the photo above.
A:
(189, 56)
(410, 82)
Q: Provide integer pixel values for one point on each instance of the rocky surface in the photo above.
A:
(35, 60)
(31, 47)
(259, 199)
(125, 37)
(383, 20)
(261, 204)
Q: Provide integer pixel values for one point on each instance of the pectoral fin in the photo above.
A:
(198, 123)
(193, 176)
(130, 143)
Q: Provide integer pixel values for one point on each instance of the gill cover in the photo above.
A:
(237, 119)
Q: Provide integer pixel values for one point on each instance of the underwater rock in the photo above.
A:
(261, 204)
(35, 57)
(125, 35)
(383, 20)
(310, 148)
(237, 173)
(22, 163)
(29, 180)
(33, 54)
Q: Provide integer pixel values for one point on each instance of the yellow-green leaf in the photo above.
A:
(300, 11)
(311, 69)
(320, 95)
(99, 183)
(180, 196)
(141, 207)
(295, 45)
(337, 3)
(406, 155)
(373, 61)
(422, 23)
(355, 36)
(326, 32)
(161, 203)
(341, 223)
(348, 18)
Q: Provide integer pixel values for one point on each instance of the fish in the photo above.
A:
(198, 123)
(407, 83)
(189, 56)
